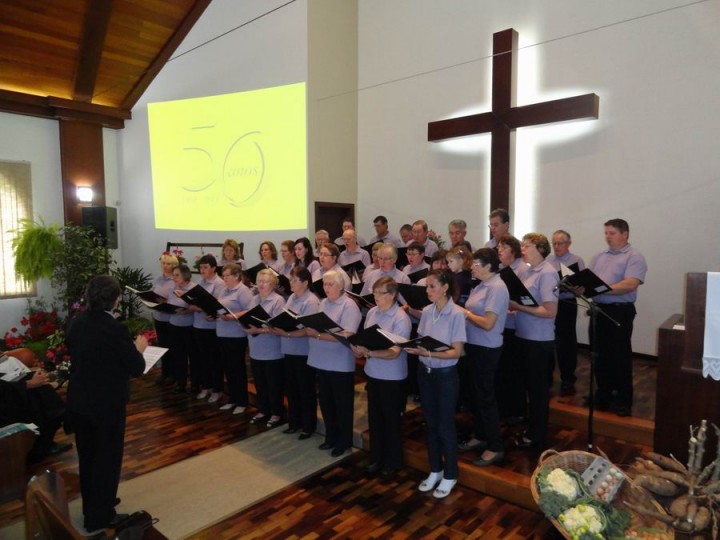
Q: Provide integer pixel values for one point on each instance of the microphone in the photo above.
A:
(562, 285)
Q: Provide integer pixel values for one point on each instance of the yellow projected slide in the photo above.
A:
(230, 162)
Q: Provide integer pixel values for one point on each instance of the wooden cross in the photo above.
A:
(505, 117)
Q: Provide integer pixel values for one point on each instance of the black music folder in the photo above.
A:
(414, 296)
(286, 320)
(320, 322)
(198, 296)
(417, 276)
(153, 300)
(518, 292)
(256, 317)
(366, 301)
(317, 288)
(589, 280)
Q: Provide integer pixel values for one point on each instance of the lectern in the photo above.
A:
(683, 395)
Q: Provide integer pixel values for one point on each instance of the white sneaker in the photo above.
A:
(430, 482)
(444, 488)
(227, 406)
(203, 394)
(214, 398)
(239, 410)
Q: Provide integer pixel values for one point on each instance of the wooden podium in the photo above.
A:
(684, 396)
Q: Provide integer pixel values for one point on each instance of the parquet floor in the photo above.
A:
(165, 428)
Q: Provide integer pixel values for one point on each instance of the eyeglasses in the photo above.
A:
(227, 275)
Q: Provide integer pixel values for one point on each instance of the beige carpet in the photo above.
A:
(201, 491)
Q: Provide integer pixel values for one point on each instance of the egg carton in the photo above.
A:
(603, 479)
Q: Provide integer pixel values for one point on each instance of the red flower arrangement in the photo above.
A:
(43, 334)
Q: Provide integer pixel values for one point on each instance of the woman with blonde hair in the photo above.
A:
(164, 286)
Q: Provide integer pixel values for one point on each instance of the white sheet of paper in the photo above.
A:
(152, 355)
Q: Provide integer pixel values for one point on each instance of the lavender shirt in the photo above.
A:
(176, 319)
(236, 300)
(613, 266)
(333, 355)
(267, 346)
(214, 286)
(164, 286)
(492, 296)
(318, 274)
(396, 321)
(541, 281)
(241, 262)
(373, 276)
(389, 238)
(430, 247)
(359, 254)
(447, 326)
(305, 304)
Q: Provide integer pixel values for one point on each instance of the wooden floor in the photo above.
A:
(165, 428)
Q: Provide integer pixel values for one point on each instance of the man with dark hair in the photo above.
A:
(383, 234)
(104, 358)
(499, 226)
(420, 235)
(623, 268)
(406, 235)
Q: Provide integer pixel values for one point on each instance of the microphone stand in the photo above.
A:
(594, 310)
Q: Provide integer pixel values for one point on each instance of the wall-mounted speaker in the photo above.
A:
(104, 220)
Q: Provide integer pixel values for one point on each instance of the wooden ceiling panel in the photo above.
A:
(47, 50)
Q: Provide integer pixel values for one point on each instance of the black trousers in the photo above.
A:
(100, 445)
(613, 369)
(509, 379)
(232, 366)
(301, 393)
(268, 377)
(206, 363)
(566, 341)
(336, 391)
(483, 362)
(386, 403)
(162, 329)
(535, 357)
(181, 345)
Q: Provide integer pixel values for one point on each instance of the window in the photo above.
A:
(15, 204)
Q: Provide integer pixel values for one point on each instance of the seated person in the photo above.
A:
(35, 401)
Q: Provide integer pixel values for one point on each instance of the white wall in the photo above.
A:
(24, 138)
(271, 51)
(651, 158)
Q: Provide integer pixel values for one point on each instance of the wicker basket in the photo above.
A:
(628, 492)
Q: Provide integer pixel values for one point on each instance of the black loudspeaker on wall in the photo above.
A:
(104, 220)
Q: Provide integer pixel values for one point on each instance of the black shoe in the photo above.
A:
(115, 523)
(325, 446)
(472, 444)
(497, 458)
(304, 436)
(388, 474)
(623, 411)
(290, 430)
(57, 449)
(524, 442)
(337, 452)
(373, 468)
(118, 500)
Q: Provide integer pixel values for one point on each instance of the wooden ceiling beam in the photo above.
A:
(94, 31)
(57, 108)
(165, 53)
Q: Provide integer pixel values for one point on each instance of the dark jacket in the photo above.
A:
(104, 358)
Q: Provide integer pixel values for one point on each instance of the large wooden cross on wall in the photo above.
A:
(505, 117)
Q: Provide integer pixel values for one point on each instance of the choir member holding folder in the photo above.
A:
(386, 370)
(266, 356)
(164, 286)
(181, 327)
(535, 331)
(328, 261)
(232, 338)
(299, 377)
(485, 313)
(510, 389)
(335, 365)
(438, 381)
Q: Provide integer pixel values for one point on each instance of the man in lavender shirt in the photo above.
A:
(623, 268)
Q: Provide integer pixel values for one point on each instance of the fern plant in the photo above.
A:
(35, 246)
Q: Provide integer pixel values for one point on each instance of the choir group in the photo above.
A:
(465, 340)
